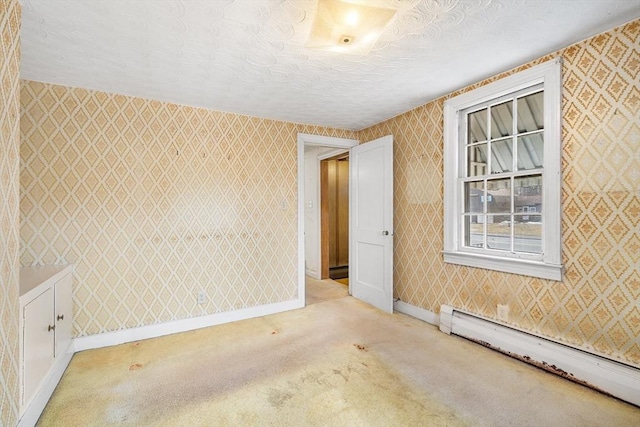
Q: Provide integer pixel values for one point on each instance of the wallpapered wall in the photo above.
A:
(154, 202)
(596, 306)
(9, 212)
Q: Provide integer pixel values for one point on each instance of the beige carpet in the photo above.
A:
(324, 290)
(338, 362)
(344, 281)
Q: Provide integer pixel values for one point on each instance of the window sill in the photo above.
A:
(506, 265)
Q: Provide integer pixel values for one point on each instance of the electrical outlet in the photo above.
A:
(202, 297)
(503, 312)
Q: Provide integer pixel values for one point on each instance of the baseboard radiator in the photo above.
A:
(605, 375)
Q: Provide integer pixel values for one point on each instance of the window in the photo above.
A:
(502, 174)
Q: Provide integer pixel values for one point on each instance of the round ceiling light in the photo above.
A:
(346, 39)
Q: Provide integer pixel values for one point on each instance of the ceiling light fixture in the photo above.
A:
(348, 26)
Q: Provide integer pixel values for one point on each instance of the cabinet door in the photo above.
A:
(64, 309)
(38, 341)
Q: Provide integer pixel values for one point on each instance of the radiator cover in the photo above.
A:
(605, 375)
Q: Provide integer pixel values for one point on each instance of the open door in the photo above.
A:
(371, 223)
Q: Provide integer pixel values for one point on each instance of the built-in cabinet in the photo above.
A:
(46, 316)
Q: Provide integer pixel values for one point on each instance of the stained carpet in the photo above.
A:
(338, 362)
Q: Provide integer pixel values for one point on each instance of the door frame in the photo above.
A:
(308, 140)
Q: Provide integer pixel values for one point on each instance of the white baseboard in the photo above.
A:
(34, 408)
(615, 378)
(417, 312)
(161, 329)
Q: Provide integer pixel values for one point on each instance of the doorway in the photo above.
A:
(312, 149)
(370, 214)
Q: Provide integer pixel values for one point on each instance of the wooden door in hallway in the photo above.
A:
(334, 214)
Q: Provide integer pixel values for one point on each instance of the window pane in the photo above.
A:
(499, 232)
(528, 194)
(502, 120)
(528, 234)
(530, 112)
(477, 160)
(473, 196)
(473, 230)
(531, 151)
(501, 156)
(499, 195)
(477, 126)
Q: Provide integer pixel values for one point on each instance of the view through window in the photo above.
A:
(503, 178)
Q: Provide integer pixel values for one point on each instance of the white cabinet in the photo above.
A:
(46, 338)
(64, 313)
(38, 342)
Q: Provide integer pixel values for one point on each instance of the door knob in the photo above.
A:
(51, 328)
(385, 233)
(60, 317)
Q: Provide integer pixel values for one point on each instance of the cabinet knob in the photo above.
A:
(60, 317)
(51, 328)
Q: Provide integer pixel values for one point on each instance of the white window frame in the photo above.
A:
(548, 265)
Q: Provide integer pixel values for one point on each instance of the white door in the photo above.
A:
(38, 342)
(64, 309)
(371, 223)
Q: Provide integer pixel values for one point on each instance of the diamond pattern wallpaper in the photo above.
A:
(596, 306)
(154, 202)
(9, 210)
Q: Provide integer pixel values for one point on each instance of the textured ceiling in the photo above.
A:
(249, 56)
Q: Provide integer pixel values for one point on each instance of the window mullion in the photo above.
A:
(514, 168)
(513, 217)
(489, 152)
(488, 170)
(514, 136)
(484, 213)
